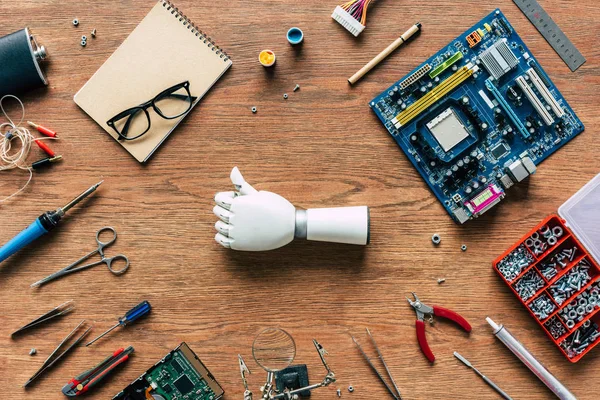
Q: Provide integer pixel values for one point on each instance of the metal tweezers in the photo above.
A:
(57, 311)
(396, 395)
(51, 360)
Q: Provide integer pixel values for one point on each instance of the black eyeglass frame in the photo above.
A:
(144, 107)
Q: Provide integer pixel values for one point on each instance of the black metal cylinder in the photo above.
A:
(19, 63)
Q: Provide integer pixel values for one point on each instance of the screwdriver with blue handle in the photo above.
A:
(42, 225)
(137, 312)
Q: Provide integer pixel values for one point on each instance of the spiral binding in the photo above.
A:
(194, 29)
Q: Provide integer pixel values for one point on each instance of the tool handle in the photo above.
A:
(422, 339)
(119, 358)
(495, 387)
(28, 235)
(136, 312)
(452, 316)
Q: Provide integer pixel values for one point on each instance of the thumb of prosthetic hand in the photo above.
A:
(255, 221)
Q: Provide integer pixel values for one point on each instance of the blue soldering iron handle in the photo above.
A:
(28, 235)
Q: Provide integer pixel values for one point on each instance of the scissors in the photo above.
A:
(100, 250)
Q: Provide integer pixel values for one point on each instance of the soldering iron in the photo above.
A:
(42, 225)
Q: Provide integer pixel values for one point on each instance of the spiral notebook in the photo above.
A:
(166, 48)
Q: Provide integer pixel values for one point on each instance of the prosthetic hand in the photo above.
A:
(254, 221)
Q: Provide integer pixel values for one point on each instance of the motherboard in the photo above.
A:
(477, 117)
(180, 375)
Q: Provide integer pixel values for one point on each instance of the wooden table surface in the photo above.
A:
(322, 147)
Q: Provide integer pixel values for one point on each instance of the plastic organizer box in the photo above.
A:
(554, 270)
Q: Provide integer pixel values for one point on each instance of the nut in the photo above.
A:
(463, 247)
(351, 388)
(285, 96)
(254, 110)
(75, 22)
(83, 43)
(436, 238)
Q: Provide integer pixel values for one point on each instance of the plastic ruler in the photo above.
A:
(552, 33)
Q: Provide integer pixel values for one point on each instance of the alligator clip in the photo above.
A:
(88, 379)
(424, 310)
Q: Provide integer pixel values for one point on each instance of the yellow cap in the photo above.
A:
(267, 58)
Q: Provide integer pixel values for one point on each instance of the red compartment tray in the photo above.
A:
(558, 281)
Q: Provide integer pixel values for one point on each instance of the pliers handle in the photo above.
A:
(422, 310)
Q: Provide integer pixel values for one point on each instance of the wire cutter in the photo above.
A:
(88, 379)
(423, 310)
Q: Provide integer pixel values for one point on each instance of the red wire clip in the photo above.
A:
(42, 130)
(422, 310)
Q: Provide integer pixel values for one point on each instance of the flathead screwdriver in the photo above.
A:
(132, 315)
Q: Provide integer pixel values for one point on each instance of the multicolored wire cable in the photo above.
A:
(358, 9)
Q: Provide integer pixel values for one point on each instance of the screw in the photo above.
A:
(296, 87)
(441, 280)
(285, 96)
(254, 110)
(94, 32)
(339, 393)
(351, 388)
(32, 351)
(75, 22)
(436, 238)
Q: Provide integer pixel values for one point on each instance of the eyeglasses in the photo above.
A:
(168, 104)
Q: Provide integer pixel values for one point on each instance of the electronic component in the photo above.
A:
(445, 65)
(179, 375)
(498, 59)
(473, 39)
(535, 101)
(430, 98)
(345, 16)
(292, 378)
(448, 129)
(485, 200)
(415, 76)
(467, 127)
(543, 90)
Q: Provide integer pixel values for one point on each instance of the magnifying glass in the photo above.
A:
(274, 349)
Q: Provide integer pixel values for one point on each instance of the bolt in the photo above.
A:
(32, 351)
(285, 96)
(296, 87)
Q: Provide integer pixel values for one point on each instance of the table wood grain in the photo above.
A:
(320, 147)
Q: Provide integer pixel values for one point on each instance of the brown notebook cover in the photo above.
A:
(166, 48)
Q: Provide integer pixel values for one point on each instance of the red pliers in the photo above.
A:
(423, 310)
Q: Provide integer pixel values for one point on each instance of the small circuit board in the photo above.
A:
(477, 117)
(180, 375)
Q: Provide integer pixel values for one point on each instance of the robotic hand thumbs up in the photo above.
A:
(254, 221)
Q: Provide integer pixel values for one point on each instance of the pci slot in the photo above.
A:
(446, 64)
(535, 101)
(506, 107)
(418, 74)
(433, 96)
(539, 84)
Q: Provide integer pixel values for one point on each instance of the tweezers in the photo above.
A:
(57, 311)
(51, 360)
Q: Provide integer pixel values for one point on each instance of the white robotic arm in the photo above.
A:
(254, 221)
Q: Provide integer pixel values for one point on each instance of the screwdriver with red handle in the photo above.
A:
(88, 379)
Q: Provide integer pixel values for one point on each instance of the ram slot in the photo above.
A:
(433, 96)
(539, 84)
(535, 101)
(506, 107)
(445, 65)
